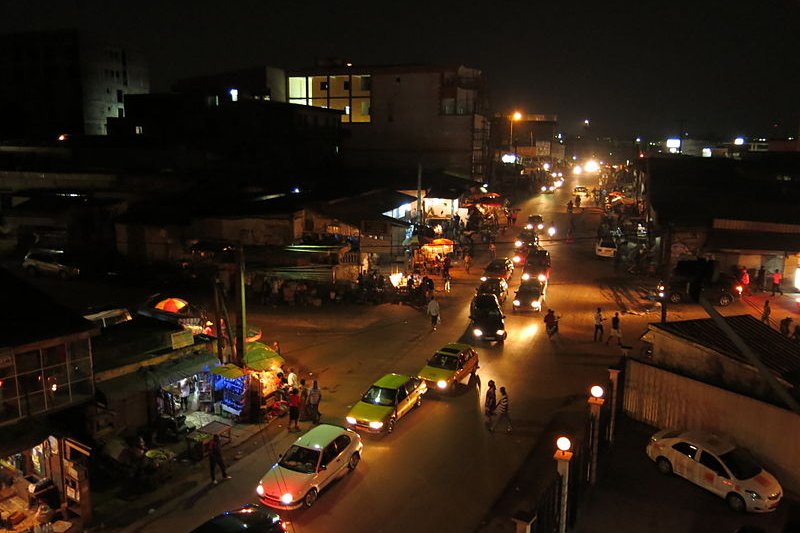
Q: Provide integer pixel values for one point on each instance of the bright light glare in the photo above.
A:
(597, 391)
(376, 425)
(546, 166)
(260, 490)
(551, 231)
(395, 278)
(563, 443)
(738, 141)
(508, 158)
(477, 332)
(234, 95)
(577, 170)
(351, 420)
(591, 166)
(286, 498)
(528, 331)
(442, 384)
(673, 143)
(517, 115)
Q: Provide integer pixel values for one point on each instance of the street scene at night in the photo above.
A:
(290, 269)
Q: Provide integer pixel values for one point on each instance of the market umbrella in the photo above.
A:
(172, 305)
(228, 371)
(441, 242)
(259, 356)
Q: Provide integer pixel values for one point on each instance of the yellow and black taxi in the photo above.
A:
(449, 366)
(388, 400)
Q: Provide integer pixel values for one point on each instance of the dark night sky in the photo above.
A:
(633, 67)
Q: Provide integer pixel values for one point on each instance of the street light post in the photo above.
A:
(595, 403)
(613, 376)
(562, 457)
(515, 116)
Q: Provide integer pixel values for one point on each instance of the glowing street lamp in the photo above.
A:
(516, 116)
(595, 403)
(562, 457)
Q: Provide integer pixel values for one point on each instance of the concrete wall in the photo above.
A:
(667, 400)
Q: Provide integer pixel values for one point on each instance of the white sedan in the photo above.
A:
(715, 464)
(605, 248)
(322, 455)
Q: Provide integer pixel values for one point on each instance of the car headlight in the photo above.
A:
(287, 498)
(517, 259)
(442, 384)
(516, 303)
(260, 489)
(540, 226)
(551, 231)
(477, 332)
(351, 420)
(541, 277)
(544, 188)
(484, 278)
(376, 425)
(526, 276)
(517, 244)
(500, 332)
(753, 494)
(536, 304)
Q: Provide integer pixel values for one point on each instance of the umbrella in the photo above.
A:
(441, 242)
(172, 305)
(259, 356)
(228, 371)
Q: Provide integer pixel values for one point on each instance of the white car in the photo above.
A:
(581, 191)
(319, 457)
(715, 464)
(605, 248)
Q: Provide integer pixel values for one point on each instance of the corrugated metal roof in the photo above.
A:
(752, 240)
(778, 353)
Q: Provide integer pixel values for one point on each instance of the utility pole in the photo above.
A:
(241, 304)
(419, 193)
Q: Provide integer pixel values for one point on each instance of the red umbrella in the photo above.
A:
(172, 305)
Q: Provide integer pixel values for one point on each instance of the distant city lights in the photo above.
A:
(234, 95)
(673, 143)
(508, 158)
(738, 141)
(591, 166)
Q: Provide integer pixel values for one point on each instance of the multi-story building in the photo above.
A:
(62, 83)
(402, 116)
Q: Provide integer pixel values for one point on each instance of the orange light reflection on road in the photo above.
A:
(528, 331)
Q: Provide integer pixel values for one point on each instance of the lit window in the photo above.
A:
(234, 95)
(139, 130)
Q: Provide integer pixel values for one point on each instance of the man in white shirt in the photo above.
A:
(598, 325)
(433, 312)
(291, 379)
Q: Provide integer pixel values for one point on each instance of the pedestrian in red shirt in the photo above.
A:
(294, 409)
(776, 282)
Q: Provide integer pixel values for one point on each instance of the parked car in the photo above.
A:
(323, 454)
(605, 248)
(251, 517)
(487, 319)
(388, 400)
(52, 262)
(499, 268)
(448, 366)
(714, 463)
(530, 296)
(496, 286)
(724, 291)
(537, 265)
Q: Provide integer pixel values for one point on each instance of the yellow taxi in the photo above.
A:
(387, 400)
(448, 366)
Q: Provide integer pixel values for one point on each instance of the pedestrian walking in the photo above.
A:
(766, 312)
(490, 403)
(314, 398)
(215, 460)
(303, 400)
(615, 329)
(776, 282)
(294, 409)
(433, 312)
(598, 325)
(502, 412)
(467, 262)
(796, 333)
(761, 278)
(492, 250)
(185, 391)
(447, 283)
(785, 324)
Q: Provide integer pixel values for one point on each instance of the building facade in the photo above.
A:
(62, 83)
(402, 116)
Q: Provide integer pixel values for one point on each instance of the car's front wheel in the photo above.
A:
(419, 401)
(310, 498)
(390, 425)
(664, 466)
(353, 462)
(736, 503)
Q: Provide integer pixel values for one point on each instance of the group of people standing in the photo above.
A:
(303, 402)
(494, 407)
(775, 279)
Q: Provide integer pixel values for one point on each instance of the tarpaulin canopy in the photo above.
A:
(228, 371)
(440, 242)
(259, 356)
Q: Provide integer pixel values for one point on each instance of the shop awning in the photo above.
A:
(155, 376)
(732, 240)
(22, 435)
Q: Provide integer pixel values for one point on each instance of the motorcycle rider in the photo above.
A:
(569, 206)
(578, 201)
(551, 323)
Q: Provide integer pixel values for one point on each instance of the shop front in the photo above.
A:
(43, 478)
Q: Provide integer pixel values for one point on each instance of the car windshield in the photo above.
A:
(447, 362)
(741, 463)
(380, 396)
(530, 293)
(300, 459)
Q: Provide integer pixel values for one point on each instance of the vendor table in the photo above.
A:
(198, 441)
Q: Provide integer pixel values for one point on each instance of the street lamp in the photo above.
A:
(516, 116)
(595, 403)
(562, 457)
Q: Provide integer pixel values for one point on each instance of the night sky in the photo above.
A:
(650, 68)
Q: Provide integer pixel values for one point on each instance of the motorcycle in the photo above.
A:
(552, 329)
